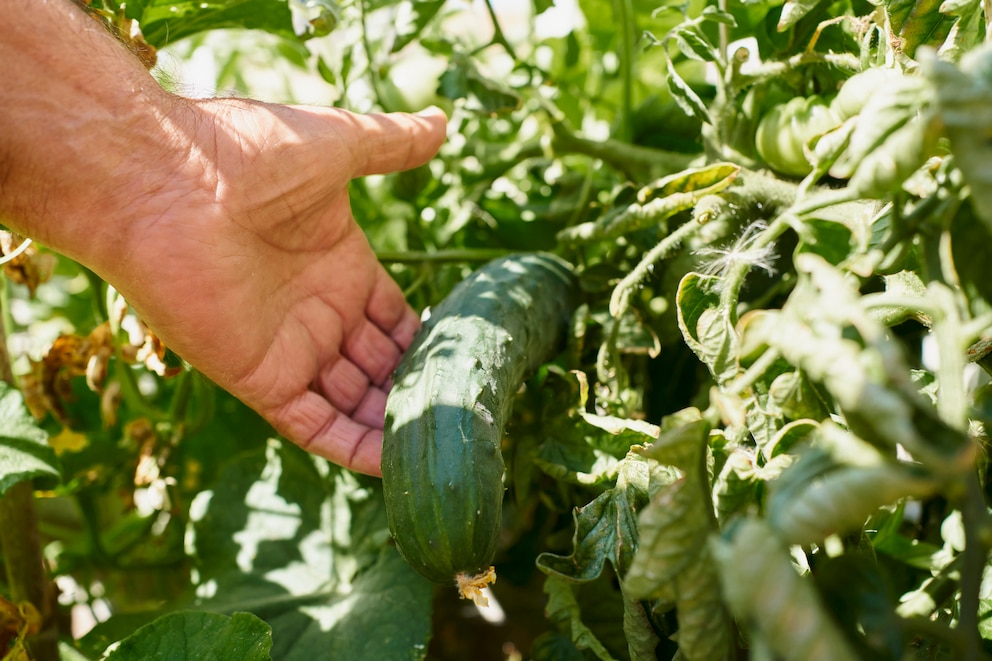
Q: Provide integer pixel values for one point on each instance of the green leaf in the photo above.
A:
(672, 529)
(964, 103)
(24, 450)
(606, 528)
(705, 630)
(793, 11)
(712, 13)
(918, 23)
(198, 635)
(305, 546)
(793, 395)
(685, 96)
(762, 588)
(705, 180)
(576, 463)
(563, 609)
(706, 326)
(642, 641)
(806, 509)
(555, 647)
(165, 22)
(694, 44)
(421, 13)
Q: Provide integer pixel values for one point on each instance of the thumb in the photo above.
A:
(391, 142)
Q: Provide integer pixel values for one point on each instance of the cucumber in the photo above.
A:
(442, 463)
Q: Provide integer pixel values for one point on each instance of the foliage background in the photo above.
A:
(765, 438)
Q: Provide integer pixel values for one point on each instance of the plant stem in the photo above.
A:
(19, 539)
(620, 298)
(976, 519)
(498, 36)
(625, 17)
(640, 164)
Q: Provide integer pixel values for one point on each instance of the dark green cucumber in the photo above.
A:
(442, 464)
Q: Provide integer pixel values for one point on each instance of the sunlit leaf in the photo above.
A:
(166, 21)
(198, 635)
(918, 23)
(421, 13)
(807, 509)
(308, 553)
(793, 11)
(694, 45)
(705, 180)
(964, 102)
(685, 96)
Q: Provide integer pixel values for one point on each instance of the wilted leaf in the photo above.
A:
(705, 630)
(642, 641)
(672, 528)
(198, 635)
(24, 450)
(606, 528)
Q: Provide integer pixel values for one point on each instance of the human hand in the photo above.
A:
(250, 266)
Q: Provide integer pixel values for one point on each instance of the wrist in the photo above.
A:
(80, 159)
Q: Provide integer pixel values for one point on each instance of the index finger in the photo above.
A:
(391, 142)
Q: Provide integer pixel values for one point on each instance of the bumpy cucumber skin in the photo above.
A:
(442, 464)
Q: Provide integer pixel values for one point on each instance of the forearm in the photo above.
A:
(84, 130)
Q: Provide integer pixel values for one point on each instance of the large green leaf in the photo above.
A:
(24, 450)
(198, 635)
(305, 547)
